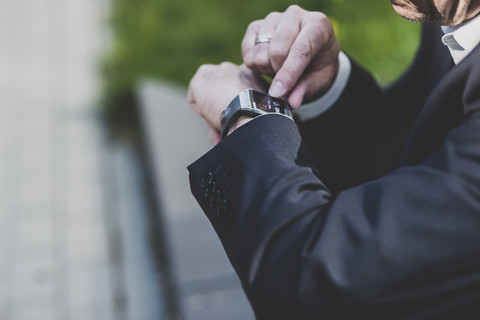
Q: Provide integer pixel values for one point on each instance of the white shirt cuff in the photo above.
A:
(314, 109)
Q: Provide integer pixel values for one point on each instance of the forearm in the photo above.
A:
(297, 247)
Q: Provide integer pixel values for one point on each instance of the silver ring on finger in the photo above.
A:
(263, 38)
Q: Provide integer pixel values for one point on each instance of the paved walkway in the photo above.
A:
(75, 227)
(207, 285)
(56, 237)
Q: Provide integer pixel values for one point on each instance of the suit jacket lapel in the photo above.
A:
(424, 131)
(387, 154)
(443, 110)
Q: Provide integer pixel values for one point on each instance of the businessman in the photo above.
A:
(366, 202)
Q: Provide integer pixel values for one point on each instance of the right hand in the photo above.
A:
(214, 86)
(302, 56)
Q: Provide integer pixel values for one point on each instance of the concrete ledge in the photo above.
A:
(176, 136)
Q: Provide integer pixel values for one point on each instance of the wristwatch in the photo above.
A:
(252, 103)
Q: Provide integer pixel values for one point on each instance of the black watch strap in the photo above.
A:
(251, 103)
(231, 114)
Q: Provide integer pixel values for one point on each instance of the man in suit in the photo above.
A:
(368, 205)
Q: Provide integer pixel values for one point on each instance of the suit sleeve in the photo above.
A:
(344, 139)
(406, 243)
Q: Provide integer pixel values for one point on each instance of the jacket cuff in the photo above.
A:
(260, 140)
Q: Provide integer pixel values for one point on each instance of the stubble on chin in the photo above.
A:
(464, 11)
(455, 14)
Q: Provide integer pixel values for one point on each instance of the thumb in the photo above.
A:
(313, 85)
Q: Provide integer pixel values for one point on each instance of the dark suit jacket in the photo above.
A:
(372, 210)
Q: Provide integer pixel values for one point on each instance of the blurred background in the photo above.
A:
(96, 216)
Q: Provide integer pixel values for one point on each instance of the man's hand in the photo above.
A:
(213, 87)
(302, 55)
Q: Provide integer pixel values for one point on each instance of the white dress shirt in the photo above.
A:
(316, 108)
(460, 40)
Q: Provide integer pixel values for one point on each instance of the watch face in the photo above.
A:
(268, 103)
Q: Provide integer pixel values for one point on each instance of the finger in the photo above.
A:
(261, 51)
(311, 39)
(284, 36)
(191, 94)
(311, 85)
(248, 43)
(194, 86)
(255, 79)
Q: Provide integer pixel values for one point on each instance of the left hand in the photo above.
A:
(213, 87)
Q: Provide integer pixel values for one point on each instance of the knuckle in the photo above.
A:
(226, 64)
(323, 24)
(272, 16)
(204, 68)
(253, 25)
(278, 51)
(318, 16)
(302, 49)
(316, 38)
(261, 61)
(324, 19)
(248, 60)
(319, 20)
(294, 9)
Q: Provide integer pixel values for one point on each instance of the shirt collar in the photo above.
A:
(462, 39)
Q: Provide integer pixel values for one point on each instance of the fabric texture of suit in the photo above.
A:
(370, 210)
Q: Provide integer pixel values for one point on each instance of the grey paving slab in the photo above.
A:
(176, 137)
(5, 281)
(89, 287)
(94, 312)
(4, 304)
(53, 243)
(36, 313)
(33, 195)
(34, 284)
(86, 244)
(83, 213)
(83, 192)
(34, 233)
(59, 255)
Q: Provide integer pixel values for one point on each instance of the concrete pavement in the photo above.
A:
(207, 285)
(68, 247)
(54, 259)
(75, 226)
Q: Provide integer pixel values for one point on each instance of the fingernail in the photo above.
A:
(276, 89)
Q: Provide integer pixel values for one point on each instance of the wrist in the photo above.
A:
(250, 103)
(239, 122)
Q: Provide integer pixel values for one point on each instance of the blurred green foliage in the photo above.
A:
(170, 39)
